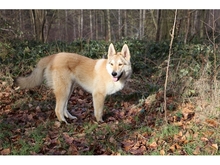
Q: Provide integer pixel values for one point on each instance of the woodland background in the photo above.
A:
(109, 25)
(151, 116)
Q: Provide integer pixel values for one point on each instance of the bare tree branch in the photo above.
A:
(168, 64)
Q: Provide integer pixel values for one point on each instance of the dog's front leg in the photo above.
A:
(98, 104)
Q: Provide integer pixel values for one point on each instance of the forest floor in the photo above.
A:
(134, 123)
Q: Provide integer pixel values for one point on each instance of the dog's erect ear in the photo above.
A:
(111, 50)
(125, 52)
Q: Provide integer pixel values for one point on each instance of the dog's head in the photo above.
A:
(119, 64)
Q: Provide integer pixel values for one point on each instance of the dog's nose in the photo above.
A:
(114, 74)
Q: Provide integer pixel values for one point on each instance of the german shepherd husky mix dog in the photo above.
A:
(100, 77)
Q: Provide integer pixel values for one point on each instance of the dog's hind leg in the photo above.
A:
(62, 88)
(61, 101)
(66, 112)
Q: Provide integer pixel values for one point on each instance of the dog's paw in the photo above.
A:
(68, 115)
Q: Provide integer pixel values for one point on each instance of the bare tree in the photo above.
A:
(187, 26)
(66, 25)
(143, 20)
(39, 18)
(108, 25)
(168, 65)
(95, 24)
(81, 23)
(90, 22)
(74, 24)
(202, 27)
(212, 39)
(158, 25)
(140, 24)
(119, 23)
(49, 24)
(125, 24)
(21, 27)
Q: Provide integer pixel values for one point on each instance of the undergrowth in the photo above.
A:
(134, 117)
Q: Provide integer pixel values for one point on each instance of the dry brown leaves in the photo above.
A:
(77, 139)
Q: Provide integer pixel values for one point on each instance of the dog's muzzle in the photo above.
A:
(115, 77)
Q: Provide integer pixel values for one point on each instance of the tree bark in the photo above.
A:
(20, 24)
(49, 24)
(187, 26)
(90, 23)
(81, 24)
(158, 26)
(39, 18)
(140, 24)
(125, 24)
(108, 22)
(202, 28)
(119, 23)
(66, 25)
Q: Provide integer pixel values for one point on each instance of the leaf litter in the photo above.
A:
(131, 127)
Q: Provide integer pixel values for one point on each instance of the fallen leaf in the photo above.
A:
(57, 124)
(204, 139)
(162, 152)
(112, 140)
(211, 122)
(175, 147)
(73, 150)
(208, 133)
(178, 123)
(215, 146)
(138, 151)
(153, 145)
(67, 138)
(210, 149)
(38, 109)
(81, 92)
(196, 151)
(127, 145)
(180, 133)
(6, 151)
(172, 148)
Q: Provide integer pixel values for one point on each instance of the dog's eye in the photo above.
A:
(111, 64)
(119, 64)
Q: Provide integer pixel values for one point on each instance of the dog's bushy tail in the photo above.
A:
(36, 77)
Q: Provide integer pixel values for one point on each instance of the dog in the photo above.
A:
(100, 77)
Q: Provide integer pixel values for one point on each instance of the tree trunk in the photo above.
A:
(96, 25)
(119, 23)
(125, 24)
(81, 24)
(20, 25)
(90, 22)
(187, 26)
(66, 26)
(49, 25)
(79, 29)
(165, 31)
(202, 18)
(39, 18)
(140, 24)
(108, 22)
(143, 24)
(58, 34)
(158, 26)
(74, 24)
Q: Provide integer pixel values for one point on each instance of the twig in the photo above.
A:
(168, 64)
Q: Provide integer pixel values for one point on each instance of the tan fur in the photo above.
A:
(63, 70)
